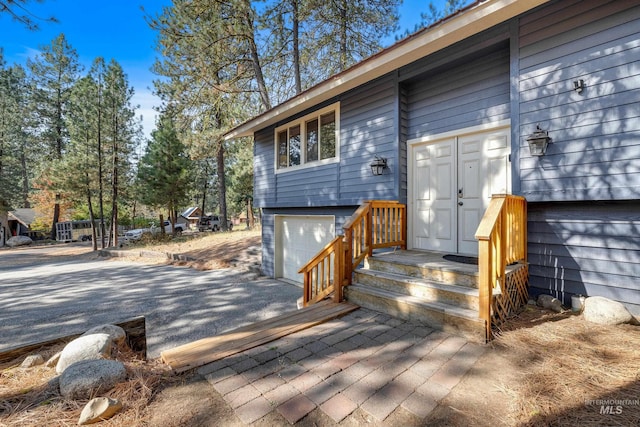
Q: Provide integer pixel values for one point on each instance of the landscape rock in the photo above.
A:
(117, 334)
(604, 311)
(88, 347)
(89, 377)
(32, 360)
(19, 241)
(550, 303)
(99, 409)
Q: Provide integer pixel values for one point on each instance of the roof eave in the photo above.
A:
(451, 30)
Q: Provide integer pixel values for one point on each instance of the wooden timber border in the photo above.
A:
(136, 339)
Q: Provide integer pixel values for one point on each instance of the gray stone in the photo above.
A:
(550, 303)
(89, 377)
(99, 409)
(88, 347)
(604, 311)
(32, 360)
(19, 241)
(117, 334)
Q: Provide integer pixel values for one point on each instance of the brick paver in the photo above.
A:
(338, 407)
(296, 408)
(364, 360)
(254, 410)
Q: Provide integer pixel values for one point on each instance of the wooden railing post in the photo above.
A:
(338, 271)
(368, 235)
(484, 284)
(348, 255)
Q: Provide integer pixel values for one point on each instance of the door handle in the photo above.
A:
(460, 203)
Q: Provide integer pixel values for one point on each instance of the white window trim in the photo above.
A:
(302, 122)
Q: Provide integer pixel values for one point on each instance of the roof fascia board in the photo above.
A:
(473, 21)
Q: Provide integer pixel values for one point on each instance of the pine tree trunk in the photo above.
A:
(296, 46)
(222, 187)
(255, 57)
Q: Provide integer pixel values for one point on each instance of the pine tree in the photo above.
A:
(121, 132)
(54, 72)
(165, 171)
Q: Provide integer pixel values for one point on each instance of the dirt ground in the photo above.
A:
(544, 369)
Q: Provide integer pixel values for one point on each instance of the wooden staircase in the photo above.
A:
(421, 286)
(470, 300)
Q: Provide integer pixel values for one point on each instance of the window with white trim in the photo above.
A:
(308, 141)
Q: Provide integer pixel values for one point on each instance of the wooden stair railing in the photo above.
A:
(375, 224)
(502, 241)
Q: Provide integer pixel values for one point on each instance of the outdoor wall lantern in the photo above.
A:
(578, 85)
(538, 142)
(378, 166)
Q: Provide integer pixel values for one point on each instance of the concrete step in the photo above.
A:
(426, 265)
(448, 318)
(428, 290)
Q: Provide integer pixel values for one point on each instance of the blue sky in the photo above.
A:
(116, 29)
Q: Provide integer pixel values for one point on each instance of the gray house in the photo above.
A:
(451, 109)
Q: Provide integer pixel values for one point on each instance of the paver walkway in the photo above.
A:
(364, 360)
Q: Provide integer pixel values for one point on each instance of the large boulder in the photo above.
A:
(88, 347)
(19, 241)
(116, 333)
(99, 409)
(90, 377)
(604, 311)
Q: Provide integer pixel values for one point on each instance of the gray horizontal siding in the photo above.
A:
(470, 94)
(368, 127)
(595, 148)
(264, 179)
(585, 248)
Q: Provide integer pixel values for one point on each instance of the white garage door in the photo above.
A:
(298, 239)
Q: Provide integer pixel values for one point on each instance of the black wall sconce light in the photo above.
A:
(578, 85)
(538, 142)
(378, 166)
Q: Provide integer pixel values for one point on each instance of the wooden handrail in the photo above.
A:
(502, 240)
(375, 224)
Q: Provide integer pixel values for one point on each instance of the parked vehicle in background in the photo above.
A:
(74, 231)
(136, 234)
(178, 227)
(212, 222)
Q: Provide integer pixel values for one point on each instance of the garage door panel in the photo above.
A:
(300, 239)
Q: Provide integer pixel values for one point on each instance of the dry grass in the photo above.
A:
(29, 397)
(567, 363)
(207, 251)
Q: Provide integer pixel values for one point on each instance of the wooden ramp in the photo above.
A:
(207, 350)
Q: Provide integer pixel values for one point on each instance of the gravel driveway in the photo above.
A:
(44, 297)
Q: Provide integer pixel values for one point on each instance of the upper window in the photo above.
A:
(310, 140)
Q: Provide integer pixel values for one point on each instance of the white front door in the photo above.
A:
(452, 179)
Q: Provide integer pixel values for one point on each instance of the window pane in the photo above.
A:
(312, 140)
(294, 146)
(283, 159)
(328, 136)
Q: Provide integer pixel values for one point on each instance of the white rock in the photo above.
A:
(99, 409)
(19, 241)
(604, 311)
(88, 347)
(89, 377)
(32, 360)
(117, 334)
(550, 303)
